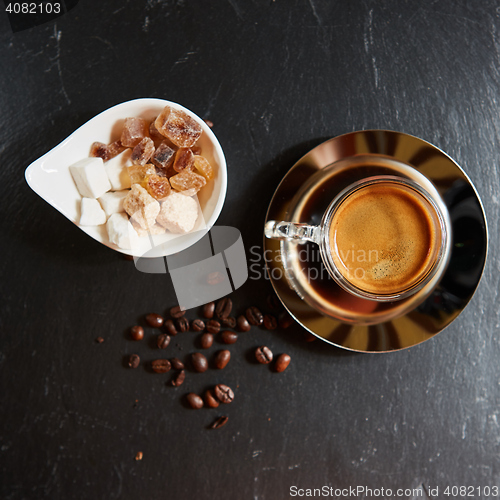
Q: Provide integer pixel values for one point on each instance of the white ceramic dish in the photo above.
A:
(50, 178)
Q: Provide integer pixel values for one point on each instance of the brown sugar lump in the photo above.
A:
(106, 151)
(138, 173)
(202, 165)
(134, 129)
(153, 230)
(158, 187)
(163, 156)
(178, 213)
(143, 151)
(184, 159)
(141, 206)
(154, 134)
(187, 182)
(178, 126)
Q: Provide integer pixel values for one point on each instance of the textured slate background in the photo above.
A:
(276, 78)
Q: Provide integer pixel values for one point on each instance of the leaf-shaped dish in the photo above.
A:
(50, 178)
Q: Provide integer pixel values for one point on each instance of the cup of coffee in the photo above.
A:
(382, 238)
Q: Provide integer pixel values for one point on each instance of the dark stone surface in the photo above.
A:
(276, 78)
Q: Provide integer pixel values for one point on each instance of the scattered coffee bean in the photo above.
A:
(220, 422)
(200, 363)
(206, 341)
(179, 379)
(213, 326)
(263, 355)
(222, 359)
(215, 278)
(137, 332)
(182, 325)
(208, 310)
(134, 361)
(139, 455)
(99, 340)
(285, 320)
(270, 322)
(171, 328)
(210, 123)
(161, 365)
(177, 364)
(223, 308)
(254, 316)
(229, 322)
(282, 362)
(163, 341)
(177, 312)
(210, 399)
(229, 337)
(194, 401)
(243, 324)
(154, 320)
(223, 393)
(197, 325)
(273, 302)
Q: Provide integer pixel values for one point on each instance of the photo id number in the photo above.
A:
(33, 8)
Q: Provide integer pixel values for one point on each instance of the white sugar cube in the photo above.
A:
(117, 170)
(112, 201)
(178, 213)
(92, 213)
(121, 232)
(90, 177)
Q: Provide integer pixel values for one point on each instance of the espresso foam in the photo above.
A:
(383, 238)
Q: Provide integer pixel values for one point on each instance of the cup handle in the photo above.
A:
(295, 231)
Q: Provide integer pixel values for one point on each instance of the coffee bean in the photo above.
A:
(177, 312)
(161, 365)
(229, 337)
(177, 364)
(206, 341)
(220, 422)
(270, 322)
(223, 393)
(285, 320)
(179, 379)
(229, 322)
(210, 399)
(134, 361)
(197, 325)
(215, 278)
(273, 302)
(254, 316)
(170, 327)
(99, 340)
(200, 363)
(194, 401)
(213, 326)
(182, 324)
(282, 362)
(154, 320)
(137, 332)
(222, 359)
(263, 355)
(223, 308)
(243, 324)
(208, 310)
(210, 123)
(163, 341)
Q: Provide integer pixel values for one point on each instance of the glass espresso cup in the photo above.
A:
(382, 238)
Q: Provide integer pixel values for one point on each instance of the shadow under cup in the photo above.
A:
(383, 238)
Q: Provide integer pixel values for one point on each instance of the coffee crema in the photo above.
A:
(383, 238)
